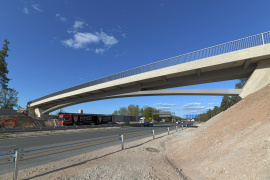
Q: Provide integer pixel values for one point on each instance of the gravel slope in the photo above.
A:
(234, 145)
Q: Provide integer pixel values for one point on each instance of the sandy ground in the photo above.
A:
(142, 159)
(233, 145)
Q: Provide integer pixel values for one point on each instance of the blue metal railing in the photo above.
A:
(244, 43)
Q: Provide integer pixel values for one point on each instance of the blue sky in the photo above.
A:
(59, 44)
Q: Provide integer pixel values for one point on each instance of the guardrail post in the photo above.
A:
(262, 38)
(16, 160)
(182, 126)
(122, 139)
(168, 131)
(153, 134)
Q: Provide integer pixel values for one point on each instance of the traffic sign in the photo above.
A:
(190, 116)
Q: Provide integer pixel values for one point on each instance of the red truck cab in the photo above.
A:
(65, 119)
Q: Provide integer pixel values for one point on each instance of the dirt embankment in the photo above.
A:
(24, 121)
(235, 145)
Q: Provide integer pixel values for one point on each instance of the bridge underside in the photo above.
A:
(145, 88)
(234, 65)
(215, 92)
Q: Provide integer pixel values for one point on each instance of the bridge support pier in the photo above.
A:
(37, 113)
(259, 78)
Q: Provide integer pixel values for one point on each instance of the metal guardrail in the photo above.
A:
(52, 128)
(244, 43)
(17, 155)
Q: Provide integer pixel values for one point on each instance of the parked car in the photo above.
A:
(147, 124)
(125, 123)
(112, 123)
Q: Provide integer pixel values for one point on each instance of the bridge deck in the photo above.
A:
(232, 60)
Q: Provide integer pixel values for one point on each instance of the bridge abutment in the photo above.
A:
(37, 113)
(258, 79)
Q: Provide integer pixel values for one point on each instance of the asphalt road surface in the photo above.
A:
(7, 144)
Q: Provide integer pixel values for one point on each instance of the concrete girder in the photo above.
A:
(215, 92)
(108, 93)
(219, 62)
(198, 71)
(211, 76)
(232, 65)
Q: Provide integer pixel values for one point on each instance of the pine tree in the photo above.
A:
(3, 66)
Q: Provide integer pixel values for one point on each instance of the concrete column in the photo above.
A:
(37, 112)
(259, 78)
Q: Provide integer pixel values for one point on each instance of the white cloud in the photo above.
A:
(85, 39)
(61, 18)
(164, 104)
(79, 24)
(107, 40)
(25, 10)
(164, 108)
(192, 104)
(194, 107)
(99, 51)
(36, 7)
(81, 40)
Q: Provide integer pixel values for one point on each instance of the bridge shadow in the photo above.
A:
(84, 162)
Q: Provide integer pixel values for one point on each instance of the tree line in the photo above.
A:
(227, 102)
(135, 110)
(8, 96)
(146, 111)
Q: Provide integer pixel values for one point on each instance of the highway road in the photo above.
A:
(7, 144)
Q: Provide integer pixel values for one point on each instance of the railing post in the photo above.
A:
(122, 139)
(176, 128)
(262, 38)
(182, 126)
(168, 131)
(153, 134)
(16, 160)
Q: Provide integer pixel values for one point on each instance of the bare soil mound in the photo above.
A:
(23, 121)
(47, 123)
(234, 145)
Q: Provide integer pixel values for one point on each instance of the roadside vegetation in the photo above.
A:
(135, 110)
(8, 96)
(146, 111)
(227, 102)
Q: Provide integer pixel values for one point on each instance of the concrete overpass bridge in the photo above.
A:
(243, 58)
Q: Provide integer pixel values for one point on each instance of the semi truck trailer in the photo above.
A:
(69, 119)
